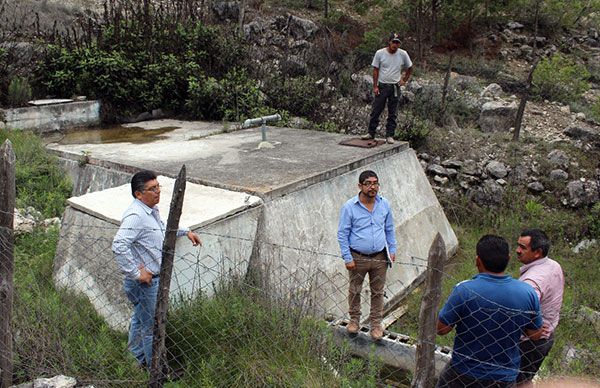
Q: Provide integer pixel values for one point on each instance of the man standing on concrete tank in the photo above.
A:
(490, 312)
(138, 249)
(367, 241)
(546, 277)
(388, 63)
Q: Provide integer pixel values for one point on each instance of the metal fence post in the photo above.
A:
(7, 208)
(425, 365)
(157, 376)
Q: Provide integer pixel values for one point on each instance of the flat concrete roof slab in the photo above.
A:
(234, 161)
(49, 101)
(202, 205)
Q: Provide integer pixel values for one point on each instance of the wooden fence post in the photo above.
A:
(157, 376)
(425, 365)
(7, 208)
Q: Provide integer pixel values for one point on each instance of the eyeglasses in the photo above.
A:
(371, 184)
(154, 189)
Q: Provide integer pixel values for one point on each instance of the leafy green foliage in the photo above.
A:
(40, 181)
(414, 130)
(299, 96)
(593, 220)
(131, 73)
(235, 97)
(377, 38)
(19, 91)
(559, 78)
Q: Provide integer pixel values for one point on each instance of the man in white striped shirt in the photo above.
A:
(138, 249)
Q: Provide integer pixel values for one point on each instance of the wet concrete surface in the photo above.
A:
(230, 160)
(119, 134)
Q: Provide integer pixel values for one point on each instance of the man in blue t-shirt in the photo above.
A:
(490, 312)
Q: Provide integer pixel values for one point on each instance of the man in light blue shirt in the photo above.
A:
(367, 241)
(138, 249)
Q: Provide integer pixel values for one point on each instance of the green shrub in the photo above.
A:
(204, 98)
(235, 98)
(40, 181)
(414, 130)
(19, 91)
(593, 220)
(242, 97)
(131, 72)
(299, 96)
(377, 38)
(594, 111)
(559, 78)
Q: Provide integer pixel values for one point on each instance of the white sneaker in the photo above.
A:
(368, 136)
(390, 140)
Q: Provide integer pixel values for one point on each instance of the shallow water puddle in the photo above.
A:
(119, 134)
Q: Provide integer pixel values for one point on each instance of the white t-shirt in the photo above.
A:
(390, 65)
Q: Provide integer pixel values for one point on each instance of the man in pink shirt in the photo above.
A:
(546, 277)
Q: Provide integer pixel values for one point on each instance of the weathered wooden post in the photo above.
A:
(425, 366)
(7, 208)
(162, 303)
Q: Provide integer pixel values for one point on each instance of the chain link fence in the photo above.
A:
(231, 322)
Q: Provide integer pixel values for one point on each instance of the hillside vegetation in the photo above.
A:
(192, 59)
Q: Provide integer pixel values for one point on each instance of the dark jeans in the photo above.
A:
(143, 297)
(450, 378)
(389, 93)
(533, 354)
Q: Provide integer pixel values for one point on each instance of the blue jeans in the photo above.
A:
(143, 297)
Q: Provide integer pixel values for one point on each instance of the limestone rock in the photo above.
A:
(497, 116)
(559, 159)
(436, 169)
(489, 194)
(582, 193)
(55, 382)
(363, 89)
(583, 245)
(302, 28)
(226, 10)
(496, 169)
(559, 175)
(464, 82)
(519, 173)
(536, 187)
(493, 90)
(23, 221)
(515, 26)
(470, 167)
(583, 132)
(452, 163)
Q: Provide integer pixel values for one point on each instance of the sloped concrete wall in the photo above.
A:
(48, 118)
(89, 178)
(84, 262)
(299, 251)
(296, 252)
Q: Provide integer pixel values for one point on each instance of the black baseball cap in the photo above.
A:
(394, 37)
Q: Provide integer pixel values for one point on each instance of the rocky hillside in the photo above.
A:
(469, 148)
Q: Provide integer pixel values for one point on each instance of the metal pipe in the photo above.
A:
(261, 120)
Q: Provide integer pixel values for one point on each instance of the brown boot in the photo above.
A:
(352, 327)
(376, 332)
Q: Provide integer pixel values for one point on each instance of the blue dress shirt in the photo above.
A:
(140, 240)
(364, 231)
